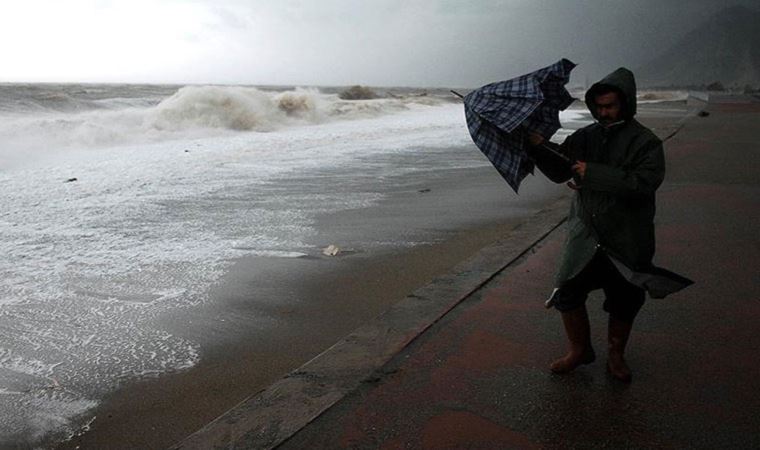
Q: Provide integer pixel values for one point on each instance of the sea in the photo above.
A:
(122, 204)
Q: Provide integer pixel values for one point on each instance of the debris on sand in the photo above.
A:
(331, 250)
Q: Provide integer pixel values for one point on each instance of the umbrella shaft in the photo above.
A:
(564, 158)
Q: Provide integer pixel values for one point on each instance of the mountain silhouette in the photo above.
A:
(724, 49)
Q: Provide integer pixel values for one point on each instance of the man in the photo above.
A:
(618, 165)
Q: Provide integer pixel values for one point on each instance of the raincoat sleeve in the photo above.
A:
(642, 176)
(556, 170)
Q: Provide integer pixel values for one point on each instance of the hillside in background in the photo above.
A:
(725, 49)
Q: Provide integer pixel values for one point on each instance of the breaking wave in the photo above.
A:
(44, 122)
(233, 108)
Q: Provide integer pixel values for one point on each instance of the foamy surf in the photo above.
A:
(660, 96)
(54, 123)
(92, 268)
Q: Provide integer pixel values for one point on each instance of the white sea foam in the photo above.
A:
(659, 96)
(91, 267)
(191, 112)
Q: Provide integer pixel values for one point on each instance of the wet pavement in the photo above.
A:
(478, 377)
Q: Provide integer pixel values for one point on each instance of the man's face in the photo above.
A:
(608, 108)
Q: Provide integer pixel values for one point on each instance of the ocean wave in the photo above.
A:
(24, 99)
(250, 109)
(190, 112)
(232, 108)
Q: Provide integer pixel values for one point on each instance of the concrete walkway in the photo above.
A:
(478, 378)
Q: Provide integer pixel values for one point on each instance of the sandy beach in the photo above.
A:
(270, 315)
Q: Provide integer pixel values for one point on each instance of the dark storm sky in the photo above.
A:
(335, 42)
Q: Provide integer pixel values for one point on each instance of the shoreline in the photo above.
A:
(268, 316)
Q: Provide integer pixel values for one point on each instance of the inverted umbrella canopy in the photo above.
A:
(499, 115)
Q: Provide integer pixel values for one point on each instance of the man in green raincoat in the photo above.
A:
(617, 166)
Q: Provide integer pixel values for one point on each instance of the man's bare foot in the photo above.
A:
(617, 367)
(572, 360)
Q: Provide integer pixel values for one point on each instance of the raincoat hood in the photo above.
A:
(621, 80)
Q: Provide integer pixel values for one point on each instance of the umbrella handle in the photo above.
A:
(457, 94)
(556, 153)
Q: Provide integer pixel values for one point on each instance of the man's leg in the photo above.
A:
(623, 302)
(578, 333)
(617, 337)
(570, 300)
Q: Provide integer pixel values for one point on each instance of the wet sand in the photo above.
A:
(268, 316)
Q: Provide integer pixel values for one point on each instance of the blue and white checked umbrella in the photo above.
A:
(499, 115)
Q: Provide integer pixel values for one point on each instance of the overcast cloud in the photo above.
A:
(334, 42)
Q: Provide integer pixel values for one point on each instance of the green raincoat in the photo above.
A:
(614, 209)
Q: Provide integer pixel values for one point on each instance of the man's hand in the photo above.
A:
(580, 169)
(535, 139)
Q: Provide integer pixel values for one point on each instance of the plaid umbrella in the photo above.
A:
(499, 115)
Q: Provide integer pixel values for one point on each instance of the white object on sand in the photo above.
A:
(331, 250)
